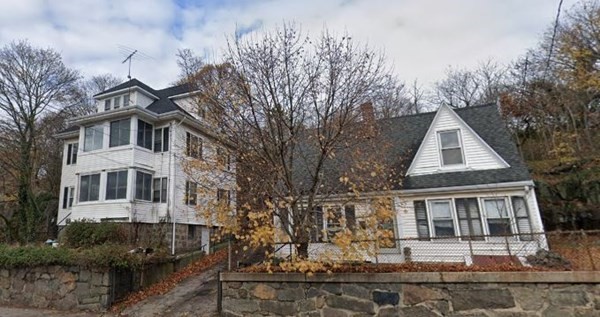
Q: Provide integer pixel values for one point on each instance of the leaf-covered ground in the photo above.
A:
(170, 282)
(405, 267)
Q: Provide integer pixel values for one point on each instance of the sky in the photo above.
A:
(420, 38)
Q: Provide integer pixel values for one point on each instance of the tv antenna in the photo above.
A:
(131, 54)
(128, 58)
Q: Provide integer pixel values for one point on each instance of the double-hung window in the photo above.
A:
(117, 102)
(72, 153)
(119, 132)
(116, 185)
(159, 190)
(441, 218)
(68, 197)
(89, 187)
(316, 232)
(450, 148)
(106, 104)
(193, 146)
(161, 139)
(93, 138)
(191, 193)
(497, 216)
(144, 134)
(125, 100)
(143, 186)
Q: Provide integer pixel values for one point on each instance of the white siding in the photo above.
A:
(477, 155)
(68, 179)
(189, 104)
(141, 99)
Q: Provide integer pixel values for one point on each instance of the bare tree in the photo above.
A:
(465, 88)
(289, 104)
(189, 64)
(32, 81)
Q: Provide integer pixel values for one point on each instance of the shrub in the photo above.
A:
(87, 233)
(29, 256)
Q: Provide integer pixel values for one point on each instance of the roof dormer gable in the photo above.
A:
(451, 145)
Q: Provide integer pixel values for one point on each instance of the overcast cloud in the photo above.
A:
(421, 38)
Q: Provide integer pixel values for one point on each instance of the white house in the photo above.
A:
(466, 194)
(124, 162)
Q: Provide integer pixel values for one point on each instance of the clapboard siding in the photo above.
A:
(477, 155)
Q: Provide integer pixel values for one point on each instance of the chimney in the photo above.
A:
(367, 112)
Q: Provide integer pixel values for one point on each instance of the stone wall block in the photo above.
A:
(350, 303)
(568, 297)
(240, 305)
(334, 312)
(481, 299)
(264, 291)
(278, 307)
(290, 294)
(528, 299)
(356, 290)
(415, 294)
(386, 298)
(417, 311)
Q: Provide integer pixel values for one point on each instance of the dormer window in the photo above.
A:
(451, 148)
(106, 104)
(117, 102)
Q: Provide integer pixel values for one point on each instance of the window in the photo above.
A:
(441, 218)
(106, 104)
(350, 214)
(119, 132)
(191, 193)
(93, 138)
(116, 185)
(161, 139)
(421, 218)
(72, 153)
(469, 218)
(117, 102)
(144, 134)
(159, 192)
(498, 220)
(143, 186)
(191, 232)
(193, 146)
(223, 158)
(450, 148)
(316, 232)
(522, 217)
(68, 195)
(334, 221)
(89, 187)
(223, 195)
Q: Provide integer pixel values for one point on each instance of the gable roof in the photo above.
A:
(485, 120)
(403, 137)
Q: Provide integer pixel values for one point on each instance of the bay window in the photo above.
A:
(116, 185)
(119, 132)
(93, 138)
(89, 187)
(441, 218)
(144, 134)
(497, 216)
(143, 186)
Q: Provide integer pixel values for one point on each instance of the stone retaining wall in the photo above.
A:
(63, 288)
(512, 294)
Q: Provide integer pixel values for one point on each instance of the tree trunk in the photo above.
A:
(303, 250)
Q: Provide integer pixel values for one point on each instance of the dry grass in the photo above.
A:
(582, 250)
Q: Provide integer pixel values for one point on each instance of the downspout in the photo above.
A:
(172, 182)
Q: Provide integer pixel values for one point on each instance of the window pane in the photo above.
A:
(144, 135)
(95, 187)
(122, 185)
(499, 226)
(163, 192)
(158, 140)
(74, 154)
(107, 104)
(519, 207)
(117, 102)
(147, 187)
(496, 208)
(449, 139)
(126, 100)
(119, 132)
(93, 138)
(84, 188)
(165, 139)
(443, 228)
(452, 156)
(156, 190)
(139, 185)
(440, 209)
(111, 185)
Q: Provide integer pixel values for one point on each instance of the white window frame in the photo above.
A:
(126, 99)
(72, 149)
(116, 102)
(511, 218)
(116, 189)
(460, 146)
(107, 104)
(433, 235)
(97, 129)
(99, 187)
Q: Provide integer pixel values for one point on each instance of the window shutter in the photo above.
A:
(522, 217)
(421, 219)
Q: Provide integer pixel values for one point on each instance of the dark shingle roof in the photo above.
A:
(402, 137)
(72, 128)
(163, 104)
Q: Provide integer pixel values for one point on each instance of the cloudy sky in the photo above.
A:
(421, 38)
